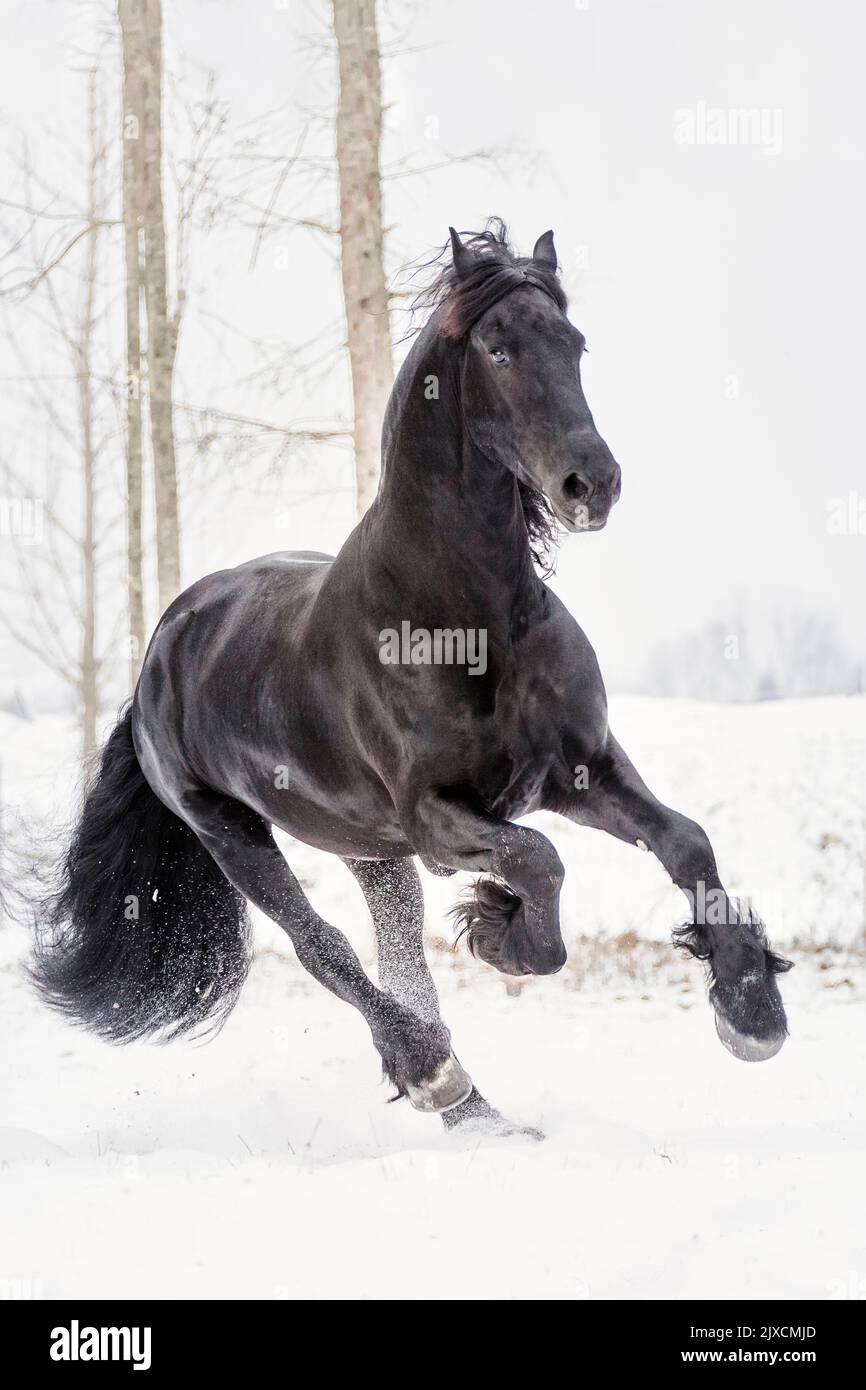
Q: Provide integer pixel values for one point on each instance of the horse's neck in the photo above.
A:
(446, 516)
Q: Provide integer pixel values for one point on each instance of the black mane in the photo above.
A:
(459, 301)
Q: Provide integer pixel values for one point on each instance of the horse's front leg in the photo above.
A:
(512, 920)
(750, 1016)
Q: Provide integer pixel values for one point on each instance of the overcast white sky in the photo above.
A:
(720, 287)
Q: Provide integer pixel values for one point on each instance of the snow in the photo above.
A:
(266, 1163)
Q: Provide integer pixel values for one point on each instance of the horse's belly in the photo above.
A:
(362, 827)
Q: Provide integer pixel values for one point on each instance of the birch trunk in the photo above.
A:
(359, 134)
(129, 13)
(161, 326)
(88, 663)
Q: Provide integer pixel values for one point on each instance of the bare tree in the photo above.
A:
(57, 558)
(82, 351)
(365, 293)
(162, 327)
(133, 178)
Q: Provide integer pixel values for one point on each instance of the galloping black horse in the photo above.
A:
(336, 699)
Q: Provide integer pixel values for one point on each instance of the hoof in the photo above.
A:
(746, 1048)
(448, 1087)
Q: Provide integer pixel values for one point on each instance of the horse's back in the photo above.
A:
(247, 586)
(290, 557)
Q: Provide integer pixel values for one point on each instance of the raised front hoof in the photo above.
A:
(476, 1116)
(447, 1088)
(744, 1047)
(493, 920)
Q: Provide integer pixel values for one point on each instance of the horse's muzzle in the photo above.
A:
(587, 495)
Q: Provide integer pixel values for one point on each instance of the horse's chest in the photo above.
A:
(521, 794)
(540, 724)
(522, 750)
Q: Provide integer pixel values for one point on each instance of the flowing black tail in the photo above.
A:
(144, 933)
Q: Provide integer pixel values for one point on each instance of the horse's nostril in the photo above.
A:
(577, 488)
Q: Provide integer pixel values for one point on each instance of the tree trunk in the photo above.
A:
(88, 667)
(161, 327)
(129, 13)
(368, 329)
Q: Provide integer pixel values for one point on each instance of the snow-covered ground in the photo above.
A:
(266, 1163)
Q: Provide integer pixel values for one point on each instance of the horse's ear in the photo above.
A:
(544, 251)
(462, 258)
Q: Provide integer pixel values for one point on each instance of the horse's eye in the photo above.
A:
(499, 355)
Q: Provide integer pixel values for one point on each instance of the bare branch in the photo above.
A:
(310, 434)
(28, 285)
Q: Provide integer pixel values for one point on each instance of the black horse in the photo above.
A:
(416, 695)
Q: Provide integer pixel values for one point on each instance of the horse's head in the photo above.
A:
(522, 397)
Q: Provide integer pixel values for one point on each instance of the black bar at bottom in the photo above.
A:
(160, 1339)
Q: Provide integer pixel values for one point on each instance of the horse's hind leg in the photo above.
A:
(395, 898)
(416, 1052)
